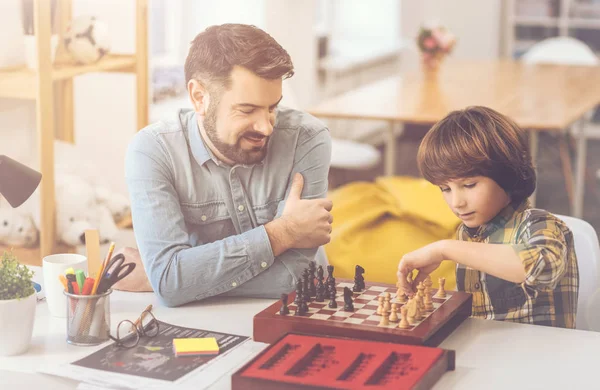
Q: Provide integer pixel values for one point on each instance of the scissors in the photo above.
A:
(115, 271)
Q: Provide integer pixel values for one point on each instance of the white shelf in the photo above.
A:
(536, 21)
(584, 23)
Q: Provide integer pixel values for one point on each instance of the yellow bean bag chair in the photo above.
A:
(375, 224)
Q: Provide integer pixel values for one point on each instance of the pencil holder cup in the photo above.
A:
(88, 318)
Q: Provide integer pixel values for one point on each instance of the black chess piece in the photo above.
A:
(298, 292)
(320, 273)
(284, 310)
(302, 307)
(332, 302)
(359, 280)
(348, 305)
(311, 278)
(329, 274)
(305, 285)
(331, 286)
(320, 293)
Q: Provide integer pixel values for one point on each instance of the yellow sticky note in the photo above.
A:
(195, 346)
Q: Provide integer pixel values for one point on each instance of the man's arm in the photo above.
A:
(178, 272)
(296, 245)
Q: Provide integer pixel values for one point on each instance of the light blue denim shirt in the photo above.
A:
(199, 222)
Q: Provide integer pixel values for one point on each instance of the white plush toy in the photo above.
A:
(77, 210)
(17, 228)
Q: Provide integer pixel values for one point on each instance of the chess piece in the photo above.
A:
(384, 321)
(306, 285)
(427, 282)
(332, 302)
(301, 309)
(359, 280)
(401, 297)
(403, 318)
(386, 308)
(428, 303)
(387, 296)
(331, 286)
(311, 279)
(421, 289)
(320, 293)
(298, 292)
(412, 311)
(329, 275)
(394, 314)
(348, 305)
(441, 291)
(320, 273)
(380, 307)
(284, 310)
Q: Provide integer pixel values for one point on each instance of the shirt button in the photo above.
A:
(263, 264)
(477, 286)
(241, 207)
(234, 284)
(203, 218)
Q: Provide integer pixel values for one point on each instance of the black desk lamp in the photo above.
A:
(17, 181)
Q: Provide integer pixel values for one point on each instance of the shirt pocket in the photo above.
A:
(207, 222)
(267, 212)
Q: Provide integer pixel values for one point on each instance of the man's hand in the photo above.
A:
(304, 223)
(425, 260)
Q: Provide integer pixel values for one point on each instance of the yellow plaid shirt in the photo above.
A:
(545, 245)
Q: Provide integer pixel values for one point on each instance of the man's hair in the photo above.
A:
(478, 141)
(215, 51)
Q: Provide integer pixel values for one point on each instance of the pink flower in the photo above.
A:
(429, 43)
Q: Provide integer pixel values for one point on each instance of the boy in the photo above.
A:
(519, 263)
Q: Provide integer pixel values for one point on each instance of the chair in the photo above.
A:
(566, 51)
(561, 50)
(588, 259)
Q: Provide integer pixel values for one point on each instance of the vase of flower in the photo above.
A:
(435, 43)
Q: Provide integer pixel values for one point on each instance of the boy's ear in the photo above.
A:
(198, 96)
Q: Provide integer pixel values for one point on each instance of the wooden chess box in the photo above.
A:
(363, 322)
(311, 362)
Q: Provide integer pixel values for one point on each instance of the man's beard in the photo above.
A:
(233, 152)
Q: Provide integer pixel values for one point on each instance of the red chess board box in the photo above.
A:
(312, 362)
(363, 322)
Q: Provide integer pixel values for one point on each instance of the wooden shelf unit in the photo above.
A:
(549, 18)
(41, 83)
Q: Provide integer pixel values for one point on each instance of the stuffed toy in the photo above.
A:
(17, 228)
(77, 209)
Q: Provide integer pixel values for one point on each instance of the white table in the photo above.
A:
(489, 354)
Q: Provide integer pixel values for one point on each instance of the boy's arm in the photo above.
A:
(495, 259)
(539, 260)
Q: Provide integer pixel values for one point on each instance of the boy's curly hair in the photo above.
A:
(478, 141)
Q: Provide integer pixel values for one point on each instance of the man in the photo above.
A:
(228, 199)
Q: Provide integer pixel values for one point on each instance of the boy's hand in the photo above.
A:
(425, 260)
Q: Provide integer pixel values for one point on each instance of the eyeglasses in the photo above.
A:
(129, 333)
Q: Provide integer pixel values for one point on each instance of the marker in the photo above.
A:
(64, 281)
(88, 285)
(80, 276)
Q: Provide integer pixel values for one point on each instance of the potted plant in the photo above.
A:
(17, 306)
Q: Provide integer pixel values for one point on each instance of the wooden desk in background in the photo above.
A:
(538, 97)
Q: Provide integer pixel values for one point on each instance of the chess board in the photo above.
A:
(302, 362)
(363, 322)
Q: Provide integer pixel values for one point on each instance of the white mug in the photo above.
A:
(52, 267)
